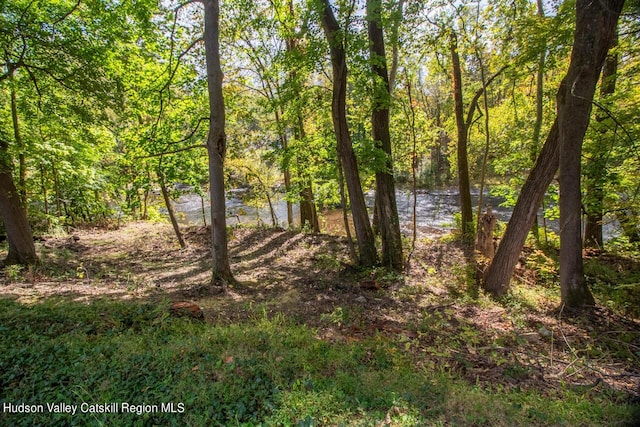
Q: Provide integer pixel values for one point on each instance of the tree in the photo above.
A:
(46, 49)
(385, 187)
(463, 135)
(216, 145)
(596, 24)
(19, 235)
(596, 168)
(364, 234)
(595, 28)
(497, 275)
(537, 127)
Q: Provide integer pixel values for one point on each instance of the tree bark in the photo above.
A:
(364, 234)
(586, 57)
(596, 23)
(345, 216)
(463, 162)
(498, 274)
(385, 187)
(19, 234)
(170, 210)
(22, 167)
(484, 239)
(216, 145)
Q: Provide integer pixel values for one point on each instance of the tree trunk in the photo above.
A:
(19, 234)
(216, 145)
(484, 239)
(308, 211)
(596, 23)
(345, 215)
(364, 234)
(56, 189)
(22, 167)
(411, 120)
(463, 162)
(395, 26)
(595, 170)
(498, 274)
(537, 126)
(286, 171)
(385, 186)
(172, 214)
(487, 140)
(45, 195)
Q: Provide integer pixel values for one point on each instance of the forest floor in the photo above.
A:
(434, 312)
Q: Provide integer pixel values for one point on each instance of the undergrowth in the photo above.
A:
(265, 371)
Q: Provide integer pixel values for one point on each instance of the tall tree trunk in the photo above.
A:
(364, 234)
(286, 171)
(498, 274)
(596, 23)
(19, 234)
(410, 113)
(385, 187)
(45, 195)
(463, 162)
(308, 211)
(216, 145)
(537, 126)
(345, 214)
(487, 139)
(595, 170)
(56, 189)
(22, 167)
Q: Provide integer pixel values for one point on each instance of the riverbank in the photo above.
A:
(431, 322)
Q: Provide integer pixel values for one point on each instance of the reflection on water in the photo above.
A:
(435, 211)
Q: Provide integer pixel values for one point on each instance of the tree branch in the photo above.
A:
(178, 150)
(181, 5)
(60, 80)
(178, 59)
(188, 137)
(66, 15)
(474, 102)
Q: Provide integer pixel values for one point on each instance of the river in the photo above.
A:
(435, 211)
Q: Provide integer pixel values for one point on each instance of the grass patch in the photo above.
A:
(265, 371)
